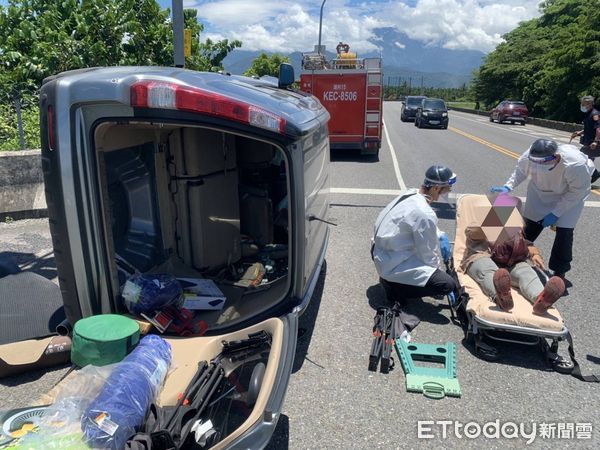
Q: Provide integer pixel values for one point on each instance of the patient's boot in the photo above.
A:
(502, 284)
(554, 289)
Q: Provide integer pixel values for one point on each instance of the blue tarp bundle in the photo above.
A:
(120, 408)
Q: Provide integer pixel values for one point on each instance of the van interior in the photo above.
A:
(201, 203)
(196, 203)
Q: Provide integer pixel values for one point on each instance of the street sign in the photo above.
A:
(187, 42)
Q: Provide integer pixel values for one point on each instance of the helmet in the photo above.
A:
(543, 150)
(439, 176)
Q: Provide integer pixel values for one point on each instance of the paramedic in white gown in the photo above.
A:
(407, 242)
(559, 185)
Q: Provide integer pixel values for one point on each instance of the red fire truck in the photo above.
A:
(351, 90)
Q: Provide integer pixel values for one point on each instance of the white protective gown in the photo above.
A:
(561, 191)
(406, 241)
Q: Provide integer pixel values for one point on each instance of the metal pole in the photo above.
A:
(20, 122)
(178, 33)
(321, 24)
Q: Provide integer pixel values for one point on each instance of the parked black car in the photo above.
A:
(410, 106)
(433, 112)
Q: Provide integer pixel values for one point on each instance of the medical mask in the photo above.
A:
(444, 198)
(584, 109)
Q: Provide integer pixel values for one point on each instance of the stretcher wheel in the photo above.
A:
(562, 365)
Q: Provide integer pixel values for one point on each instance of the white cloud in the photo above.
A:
(399, 44)
(292, 25)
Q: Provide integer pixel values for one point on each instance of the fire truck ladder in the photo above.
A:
(373, 96)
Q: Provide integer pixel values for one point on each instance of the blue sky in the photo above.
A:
(292, 25)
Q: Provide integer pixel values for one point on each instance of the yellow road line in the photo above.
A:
(486, 143)
(499, 149)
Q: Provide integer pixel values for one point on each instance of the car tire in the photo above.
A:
(500, 118)
(420, 125)
(445, 127)
(402, 118)
(491, 118)
(416, 122)
(523, 123)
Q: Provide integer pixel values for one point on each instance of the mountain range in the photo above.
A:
(404, 59)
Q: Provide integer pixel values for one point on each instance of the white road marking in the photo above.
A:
(357, 191)
(395, 192)
(394, 160)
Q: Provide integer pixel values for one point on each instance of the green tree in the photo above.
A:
(548, 62)
(41, 38)
(266, 65)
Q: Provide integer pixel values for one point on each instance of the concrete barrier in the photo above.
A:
(22, 185)
(554, 124)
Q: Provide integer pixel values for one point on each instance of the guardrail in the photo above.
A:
(554, 124)
(22, 185)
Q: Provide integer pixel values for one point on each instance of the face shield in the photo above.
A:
(541, 165)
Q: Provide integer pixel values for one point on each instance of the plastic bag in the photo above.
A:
(120, 408)
(59, 427)
(145, 293)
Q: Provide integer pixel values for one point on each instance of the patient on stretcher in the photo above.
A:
(508, 262)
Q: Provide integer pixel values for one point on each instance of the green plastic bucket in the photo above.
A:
(104, 339)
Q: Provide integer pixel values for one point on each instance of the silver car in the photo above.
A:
(200, 175)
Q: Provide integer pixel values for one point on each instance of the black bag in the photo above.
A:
(510, 252)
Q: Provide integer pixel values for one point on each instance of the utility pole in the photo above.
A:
(178, 53)
(320, 25)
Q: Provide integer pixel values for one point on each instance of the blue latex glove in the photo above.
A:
(452, 298)
(500, 189)
(549, 219)
(445, 247)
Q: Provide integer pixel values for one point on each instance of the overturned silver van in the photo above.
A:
(199, 175)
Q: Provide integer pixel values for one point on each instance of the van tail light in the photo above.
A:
(166, 95)
(51, 127)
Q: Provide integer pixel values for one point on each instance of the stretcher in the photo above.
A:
(483, 321)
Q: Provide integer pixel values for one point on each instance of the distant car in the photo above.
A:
(510, 111)
(410, 106)
(433, 112)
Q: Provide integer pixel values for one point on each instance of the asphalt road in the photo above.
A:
(332, 400)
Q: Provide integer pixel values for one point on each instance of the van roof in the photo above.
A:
(299, 109)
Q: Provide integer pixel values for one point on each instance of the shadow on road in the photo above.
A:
(427, 312)
(306, 325)
(444, 211)
(43, 265)
(281, 436)
(351, 155)
(516, 355)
